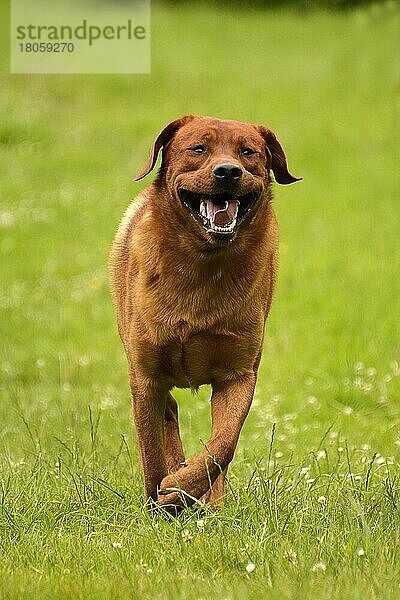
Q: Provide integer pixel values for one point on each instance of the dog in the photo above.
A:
(192, 270)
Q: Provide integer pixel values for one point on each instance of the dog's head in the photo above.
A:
(218, 170)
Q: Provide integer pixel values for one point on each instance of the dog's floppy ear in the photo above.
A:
(277, 157)
(161, 141)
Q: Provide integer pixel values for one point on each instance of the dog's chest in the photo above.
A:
(183, 301)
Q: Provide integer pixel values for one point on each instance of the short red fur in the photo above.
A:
(193, 285)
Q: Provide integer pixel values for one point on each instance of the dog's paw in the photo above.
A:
(172, 493)
(182, 488)
(189, 484)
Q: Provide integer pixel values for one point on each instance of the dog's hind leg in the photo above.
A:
(173, 445)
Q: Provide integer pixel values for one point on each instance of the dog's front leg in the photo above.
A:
(149, 405)
(231, 400)
(173, 444)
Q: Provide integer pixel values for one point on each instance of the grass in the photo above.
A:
(314, 494)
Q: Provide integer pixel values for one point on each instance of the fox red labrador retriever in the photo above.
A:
(192, 270)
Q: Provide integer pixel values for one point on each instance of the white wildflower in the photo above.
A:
(250, 567)
(200, 523)
(304, 471)
(186, 535)
(290, 555)
(312, 400)
(319, 567)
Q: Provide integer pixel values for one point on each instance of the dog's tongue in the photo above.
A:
(221, 214)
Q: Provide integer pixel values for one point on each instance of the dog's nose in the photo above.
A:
(227, 171)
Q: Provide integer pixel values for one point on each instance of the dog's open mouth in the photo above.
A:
(218, 213)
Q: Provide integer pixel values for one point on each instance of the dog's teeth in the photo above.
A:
(203, 209)
(223, 228)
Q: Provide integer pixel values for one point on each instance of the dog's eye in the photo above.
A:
(247, 151)
(199, 149)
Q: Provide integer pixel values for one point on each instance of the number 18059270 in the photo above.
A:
(47, 47)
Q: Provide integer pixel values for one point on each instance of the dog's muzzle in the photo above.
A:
(220, 213)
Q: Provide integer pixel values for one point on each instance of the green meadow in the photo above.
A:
(313, 500)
